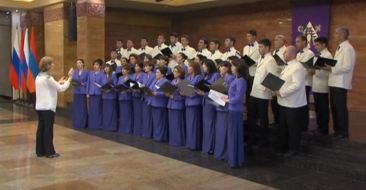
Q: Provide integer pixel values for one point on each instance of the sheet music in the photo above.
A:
(98, 85)
(216, 97)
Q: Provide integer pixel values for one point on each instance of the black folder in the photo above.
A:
(142, 56)
(166, 51)
(220, 86)
(186, 87)
(134, 86)
(76, 82)
(113, 66)
(272, 82)
(249, 60)
(146, 90)
(309, 64)
(170, 76)
(167, 87)
(321, 61)
(279, 61)
(104, 86)
(121, 87)
(118, 75)
(203, 86)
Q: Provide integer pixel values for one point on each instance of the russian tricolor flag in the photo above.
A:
(32, 64)
(15, 72)
(25, 61)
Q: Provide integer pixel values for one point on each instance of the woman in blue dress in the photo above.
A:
(109, 100)
(163, 62)
(176, 108)
(125, 104)
(79, 104)
(158, 102)
(208, 110)
(199, 59)
(193, 109)
(222, 116)
(181, 58)
(95, 96)
(136, 99)
(149, 77)
(235, 141)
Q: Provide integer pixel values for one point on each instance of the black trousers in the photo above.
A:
(307, 90)
(275, 110)
(338, 105)
(249, 90)
(258, 110)
(289, 130)
(321, 104)
(44, 138)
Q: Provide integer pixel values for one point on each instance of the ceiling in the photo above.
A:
(170, 6)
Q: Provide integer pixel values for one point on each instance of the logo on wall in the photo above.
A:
(310, 32)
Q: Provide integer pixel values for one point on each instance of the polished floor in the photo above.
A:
(108, 160)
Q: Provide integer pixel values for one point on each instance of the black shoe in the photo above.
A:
(320, 132)
(290, 153)
(40, 155)
(273, 125)
(53, 156)
(341, 136)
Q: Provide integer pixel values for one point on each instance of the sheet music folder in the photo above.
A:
(220, 86)
(203, 86)
(186, 87)
(166, 51)
(279, 61)
(249, 60)
(167, 87)
(273, 82)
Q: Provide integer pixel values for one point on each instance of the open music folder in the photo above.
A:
(273, 82)
(186, 87)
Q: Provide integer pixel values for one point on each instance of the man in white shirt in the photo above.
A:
(175, 47)
(251, 50)
(130, 48)
(144, 47)
(202, 47)
(186, 49)
(320, 88)
(114, 62)
(292, 100)
(280, 47)
(230, 50)
(304, 55)
(340, 81)
(120, 50)
(260, 95)
(214, 49)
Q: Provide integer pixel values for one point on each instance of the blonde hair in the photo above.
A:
(44, 64)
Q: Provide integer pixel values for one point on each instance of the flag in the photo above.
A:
(311, 19)
(25, 61)
(32, 64)
(15, 63)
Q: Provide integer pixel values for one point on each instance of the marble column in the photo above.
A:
(58, 46)
(90, 30)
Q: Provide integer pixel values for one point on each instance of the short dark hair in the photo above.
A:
(201, 57)
(163, 70)
(232, 58)
(253, 32)
(266, 42)
(126, 67)
(113, 50)
(165, 58)
(99, 61)
(144, 38)
(216, 41)
(322, 40)
(162, 35)
(211, 67)
(232, 39)
(185, 36)
(184, 56)
(196, 67)
(131, 41)
(242, 67)
(181, 71)
(205, 41)
(174, 34)
(303, 38)
(225, 64)
(119, 40)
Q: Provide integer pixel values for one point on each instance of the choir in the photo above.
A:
(125, 95)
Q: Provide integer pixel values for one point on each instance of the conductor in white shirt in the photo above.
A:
(320, 88)
(46, 101)
(292, 100)
(340, 81)
(260, 95)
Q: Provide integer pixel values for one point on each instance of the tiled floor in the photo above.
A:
(88, 162)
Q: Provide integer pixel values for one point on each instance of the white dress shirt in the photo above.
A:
(121, 51)
(216, 55)
(146, 49)
(321, 77)
(205, 52)
(132, 51)
(118, 62)
(188, 51)
(46, 88)
(230, 52)
(280, 53)
(304, 56)
(266, 65)
(253, 53)
(342, 72)
(176, 48)
(293, 90)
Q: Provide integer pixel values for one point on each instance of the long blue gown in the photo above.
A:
(147, 125)
(176, 117)
(109, 105)
(137, 106)
(79, 104)
(126, 109)
(95, 100)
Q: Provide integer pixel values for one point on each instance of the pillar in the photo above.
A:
(90, 30)
(58, 46)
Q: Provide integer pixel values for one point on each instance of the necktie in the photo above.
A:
(277, 50)
(183, 49)
(199, 51)
(128, 49)
(339, 47)
(213, 52)
(262, 56)
(251, 45)
(228, 50)
(173, 45)
(143, 49)
(302, 51)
